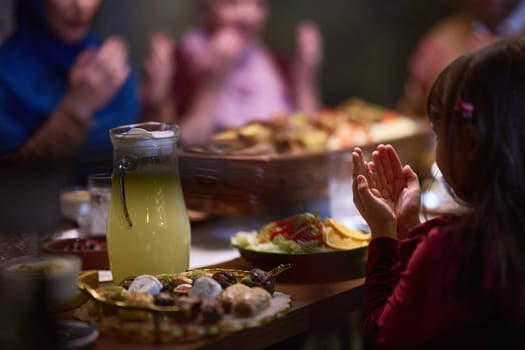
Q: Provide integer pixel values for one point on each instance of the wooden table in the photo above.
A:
(314, 306)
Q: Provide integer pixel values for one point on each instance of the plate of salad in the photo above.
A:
(318, 249)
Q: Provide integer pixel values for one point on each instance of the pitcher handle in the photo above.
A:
(123, 165)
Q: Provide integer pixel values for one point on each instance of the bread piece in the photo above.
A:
(230, 294)
(251, 303)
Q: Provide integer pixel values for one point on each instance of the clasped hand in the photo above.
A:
(386, 193)
(97, 76)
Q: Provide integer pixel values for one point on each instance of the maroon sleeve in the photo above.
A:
(383, 258)
(404, 306)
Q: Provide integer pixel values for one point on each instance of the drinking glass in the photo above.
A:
(99, 186)
(342, 205)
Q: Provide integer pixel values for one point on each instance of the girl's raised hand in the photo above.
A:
(398, 185)
(376, 209)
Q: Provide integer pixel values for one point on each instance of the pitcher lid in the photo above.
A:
(145, 133)
(140, 133)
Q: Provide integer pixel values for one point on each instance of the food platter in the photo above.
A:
(313, 267)
(117, 316)
(225, 185)
(248, 175)
(170, 331)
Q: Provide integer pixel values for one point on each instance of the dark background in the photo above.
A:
(367, 42)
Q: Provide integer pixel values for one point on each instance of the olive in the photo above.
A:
(126, 282)
(260, 278)
(225, 278)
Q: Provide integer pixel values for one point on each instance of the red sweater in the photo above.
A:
(409, 300)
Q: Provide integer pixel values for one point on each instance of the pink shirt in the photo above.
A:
(254, 90)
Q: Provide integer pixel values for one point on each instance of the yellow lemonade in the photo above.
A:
(159, 239)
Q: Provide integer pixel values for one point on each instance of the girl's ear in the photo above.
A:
(469, 140)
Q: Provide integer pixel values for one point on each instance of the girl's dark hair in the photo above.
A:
(492, 235)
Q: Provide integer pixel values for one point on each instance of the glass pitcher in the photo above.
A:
(148, 228)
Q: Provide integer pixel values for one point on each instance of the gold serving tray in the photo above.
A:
(172, 324)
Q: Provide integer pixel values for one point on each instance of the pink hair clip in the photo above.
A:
(465, 108)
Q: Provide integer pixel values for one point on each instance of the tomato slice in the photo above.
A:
(299, 227)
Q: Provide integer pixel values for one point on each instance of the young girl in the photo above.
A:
(226, 75)
(454, 281)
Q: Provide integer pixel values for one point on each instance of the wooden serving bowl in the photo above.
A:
(91, 259)
(273, 183)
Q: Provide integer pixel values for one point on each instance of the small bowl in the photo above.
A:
(91, 259)
(24, 276)
(74, 202)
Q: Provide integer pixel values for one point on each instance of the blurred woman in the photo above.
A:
(62, 88)
(226, 75)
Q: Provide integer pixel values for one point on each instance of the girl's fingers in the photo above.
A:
(395, 162)
(373, 176)
(364, 192)
(383, 173)
(386, 164)
(355, 195)
(411, 178)
(355, 164)
(363, 164)
(358, 165)
(379, 169)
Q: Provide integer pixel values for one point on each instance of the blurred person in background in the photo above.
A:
(226, 75)
(483, 22)
(61, 90)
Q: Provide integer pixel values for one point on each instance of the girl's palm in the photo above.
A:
(373, 202)
(398, 186)
(394, 190)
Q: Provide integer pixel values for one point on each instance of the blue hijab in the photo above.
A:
(34, 73)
